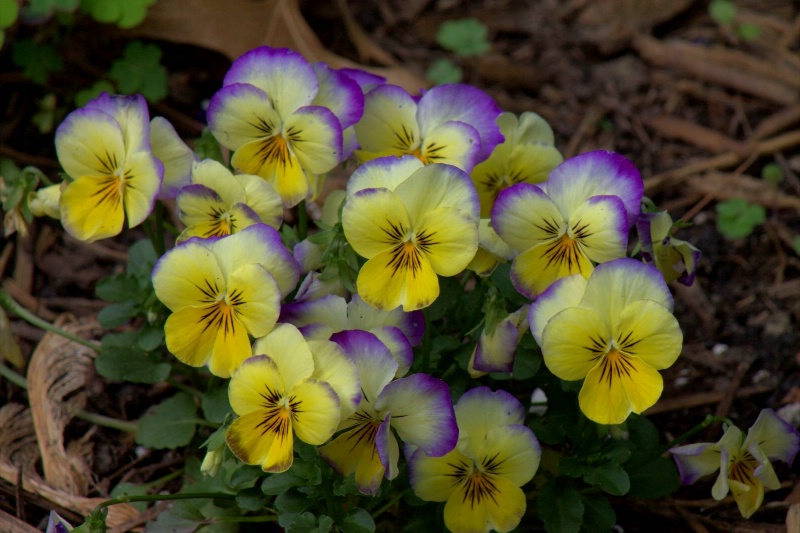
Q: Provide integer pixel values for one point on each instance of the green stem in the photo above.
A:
(185, 388)
(10, 305)
(261, 518)
(93, 418)
(426, 341)
(388, 505)
(159, 243)
(710, 419)
(166, 497)
(302, 220)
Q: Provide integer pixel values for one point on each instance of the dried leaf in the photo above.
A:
(235, 27)
(9, 349)
(58, 371)
(18, 449)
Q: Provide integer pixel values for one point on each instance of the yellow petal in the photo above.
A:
(354, 451)
(188, 275)
(143, 175)
(374, 220)
(286, 346)
(436, 186)
(389, 121)
(332, 366)
(215, 176)
(434, 479)
(535, 269)
(449, 239)
(92, 208)
(315, 411)
(240, 114)
(573, 342)
(315, 137)
(484, 503)
(187, 338)
(90, 143)
(255, 297)
(263, 438)
(262, 197)
(650, 332)
(618, 385)
(401, 276)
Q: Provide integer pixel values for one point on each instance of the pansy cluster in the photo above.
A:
(445, 185)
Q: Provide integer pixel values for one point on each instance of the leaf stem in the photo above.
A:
(166, 497)
(10, 305)
(302, 220)
(93, 418)
(710, 419)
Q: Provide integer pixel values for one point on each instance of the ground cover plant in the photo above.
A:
(466, 334)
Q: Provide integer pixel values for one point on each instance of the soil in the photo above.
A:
(698, 108)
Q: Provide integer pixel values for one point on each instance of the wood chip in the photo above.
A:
(723, 186)
(695, 134)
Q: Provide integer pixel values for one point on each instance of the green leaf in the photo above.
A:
(736, 218)
(131, 364)
(133, 13)
(130, 489)
(466, 37)
(151, 337)
(117, 314)
(37, 60)
(748, 31)
(292, 501)
(172, 424)
(654, 479)
(611, 478)
(280, 483)
(140, 71)
(9, 11)
(207, 147)
(643, 434)
(251, 499)
(722, 11)
(598, 515)
(142, 258)
(119, 288)
(772, 173)
(105, 11)
(444, 71)
(83, 96)
(358, 520)
(527, 359)
(560, 507)
(215, 405)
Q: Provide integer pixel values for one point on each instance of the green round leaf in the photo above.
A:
(9, 10)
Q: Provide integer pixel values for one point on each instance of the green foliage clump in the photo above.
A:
(737, 218)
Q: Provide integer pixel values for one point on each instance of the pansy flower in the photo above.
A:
(579, 217)
(218, 203)
(527, 155)
(265, 113)
(411, 223)
(322, 317)
(105, 149)
(453, 124)
(676, 259)
(366, 82)
(614, 331)
(173, 153)
(417, 407)
(492, 250)
(277, 398)
(744, 462)
(481, 478)
(220, 291)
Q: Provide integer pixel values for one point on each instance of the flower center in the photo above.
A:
(742, 467)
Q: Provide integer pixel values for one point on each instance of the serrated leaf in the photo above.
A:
(172, 424)
(611, 478)
(358, 520)
(560, 507)
(215, 405)
(131, 364)
(140, 70)
(444, 71)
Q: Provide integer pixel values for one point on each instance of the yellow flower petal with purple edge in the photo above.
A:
(262, 198)
(389, 123)
(240, 114)
(525, 216)
(437, 186)
(90, 143)
(435, 479)
(255, 297)
(388, 173)
(618, 385)
(650, 332)
(535, 269)
(272, 159)
(452, 143)
(332, 366)
(188, 275)
(249, 441)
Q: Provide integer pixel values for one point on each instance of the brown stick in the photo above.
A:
(700, 136)
(730, 68)
(703, 398)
